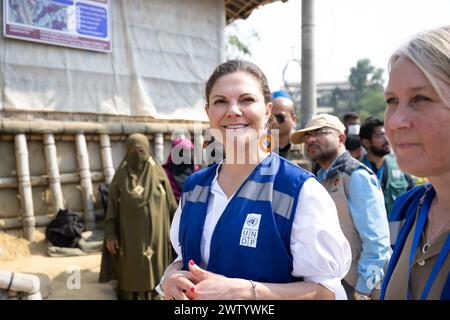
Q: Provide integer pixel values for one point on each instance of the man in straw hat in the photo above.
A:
(359, 201)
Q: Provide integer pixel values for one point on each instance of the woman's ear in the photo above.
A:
(269, 107)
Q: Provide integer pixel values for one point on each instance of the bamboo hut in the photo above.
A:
(66, 108)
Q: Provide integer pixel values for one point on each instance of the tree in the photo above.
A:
(235, 44)
(366, 82)
(238, 42)
(336, 96)
(372, 103)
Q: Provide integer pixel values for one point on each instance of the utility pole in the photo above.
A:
(308, 87)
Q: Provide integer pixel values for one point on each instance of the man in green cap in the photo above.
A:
(137, 224)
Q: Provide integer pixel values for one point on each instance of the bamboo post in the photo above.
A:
(23, 176)
(54, 181)
(85, 181)
(159, 147)
(41, 220)
(198, 148)
(42, 181)
(8, 183)
(15, 223)
(108, 166)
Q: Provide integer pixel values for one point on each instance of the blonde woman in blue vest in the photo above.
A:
(417, 122)
(255, 226)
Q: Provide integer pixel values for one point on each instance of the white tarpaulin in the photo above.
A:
(162, 53)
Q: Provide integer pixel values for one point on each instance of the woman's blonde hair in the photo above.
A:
(430, 51)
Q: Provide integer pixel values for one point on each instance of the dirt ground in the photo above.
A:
(58, 275)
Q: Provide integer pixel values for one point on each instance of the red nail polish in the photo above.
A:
(191, 262)
(193, 290)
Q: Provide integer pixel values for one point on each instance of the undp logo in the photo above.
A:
(249, 233)
(253, 221)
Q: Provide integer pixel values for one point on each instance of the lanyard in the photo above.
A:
(437, 266)
(422, 214)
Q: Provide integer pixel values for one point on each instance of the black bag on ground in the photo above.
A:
(65, 230)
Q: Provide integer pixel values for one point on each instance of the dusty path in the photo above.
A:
(60, 276)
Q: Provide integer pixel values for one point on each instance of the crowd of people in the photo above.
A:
(334, 210)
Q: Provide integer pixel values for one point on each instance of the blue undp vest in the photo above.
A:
(252, 237)
(404, 215)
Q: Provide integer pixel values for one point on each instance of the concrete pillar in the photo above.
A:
(308, 88)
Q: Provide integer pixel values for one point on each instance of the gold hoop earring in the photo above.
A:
(261, 142)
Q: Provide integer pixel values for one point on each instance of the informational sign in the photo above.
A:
(81, 24)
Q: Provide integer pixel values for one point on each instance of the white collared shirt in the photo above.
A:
(320, 251)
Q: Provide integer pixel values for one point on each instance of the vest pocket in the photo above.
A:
(396, 187)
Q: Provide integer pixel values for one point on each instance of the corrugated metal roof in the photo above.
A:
(241, 9)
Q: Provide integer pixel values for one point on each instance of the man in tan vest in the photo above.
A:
(359, 202)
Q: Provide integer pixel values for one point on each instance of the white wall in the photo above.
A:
(163, 52)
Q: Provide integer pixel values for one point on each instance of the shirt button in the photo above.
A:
(421, 262)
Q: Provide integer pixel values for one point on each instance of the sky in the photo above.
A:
(345, 31)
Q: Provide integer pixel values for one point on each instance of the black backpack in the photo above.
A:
(65, 230)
